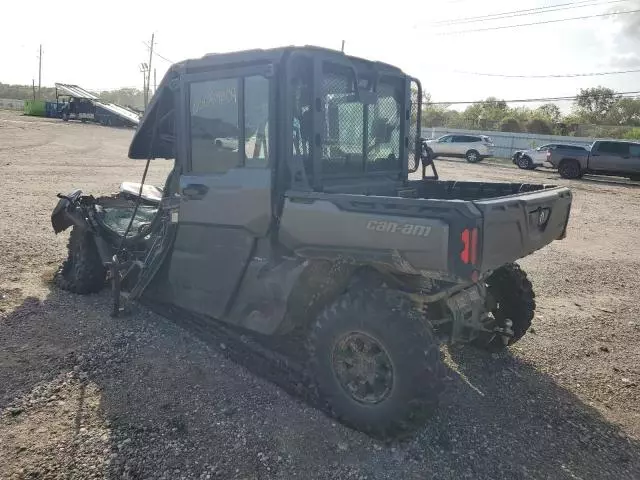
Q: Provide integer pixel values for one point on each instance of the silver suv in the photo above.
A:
(472, 147)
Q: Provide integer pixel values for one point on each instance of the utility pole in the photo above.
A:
(342, 46)
(149, 71)
(143, 68)
(39, 70)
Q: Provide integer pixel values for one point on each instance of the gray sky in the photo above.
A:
(100, 45)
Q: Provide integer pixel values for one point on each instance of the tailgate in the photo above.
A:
(518, 225)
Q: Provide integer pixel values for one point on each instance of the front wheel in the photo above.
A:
(376, 364)
(473, 156)
(82, 272)
(525, 163)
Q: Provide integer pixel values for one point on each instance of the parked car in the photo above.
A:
(472, 147)
(616, 158)
(536, 157)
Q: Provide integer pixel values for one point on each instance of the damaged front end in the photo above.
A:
(126, 233)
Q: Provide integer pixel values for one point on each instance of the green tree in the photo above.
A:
(625, 111)
(131, 97)
(540, 126)
(633, 134)
(593, 105)
(549, 111)
(510, 124)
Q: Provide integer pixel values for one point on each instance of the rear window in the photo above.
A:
(487, 139)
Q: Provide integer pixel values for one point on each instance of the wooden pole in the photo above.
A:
(39, 70)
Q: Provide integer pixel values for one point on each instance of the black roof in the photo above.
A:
(140, 147)
(275, 55)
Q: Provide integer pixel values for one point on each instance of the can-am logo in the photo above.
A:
(401, 228)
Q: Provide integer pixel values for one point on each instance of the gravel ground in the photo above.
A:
(83, 395)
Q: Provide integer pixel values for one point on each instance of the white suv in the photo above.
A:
(472, 147)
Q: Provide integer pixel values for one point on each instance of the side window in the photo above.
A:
(458, 139)
(472, 139)
(256, 121)
(215, 124)
(214, 131)
(446, 139)
(614, 148)
(634, 150)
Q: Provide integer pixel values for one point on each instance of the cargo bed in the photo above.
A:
(454, 230)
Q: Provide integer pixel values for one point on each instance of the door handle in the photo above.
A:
(195, 191)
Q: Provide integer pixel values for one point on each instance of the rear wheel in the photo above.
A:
(473, 156)
(376, 364)
(514, 302)
(82, 272)
(569, 169)
(525, 163)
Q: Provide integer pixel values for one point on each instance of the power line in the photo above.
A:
(538, 23)
(155, 52)
(525, 12)
(566, 75)
(528, 100)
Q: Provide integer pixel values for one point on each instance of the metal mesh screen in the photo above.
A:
(360, 137)
(414, 133)
(383, 128)
(344, 126)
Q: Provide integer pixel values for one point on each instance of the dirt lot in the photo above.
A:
(83, 395)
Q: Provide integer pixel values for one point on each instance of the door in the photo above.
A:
(459, 145)
(610, 157)
(634, 158)
(225, 189)
(443, 145)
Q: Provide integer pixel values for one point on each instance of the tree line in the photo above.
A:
(596, 112)
(130, 97)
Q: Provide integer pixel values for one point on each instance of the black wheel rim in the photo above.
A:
(523, 163)
(363, 368)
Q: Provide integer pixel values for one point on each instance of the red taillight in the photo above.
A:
(469, 253)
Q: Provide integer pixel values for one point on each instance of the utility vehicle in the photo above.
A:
(303, 205)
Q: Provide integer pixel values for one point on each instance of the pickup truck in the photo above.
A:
(605, 157)
(326, 234)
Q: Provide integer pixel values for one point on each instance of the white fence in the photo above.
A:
(507, 143)
(9, 104)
